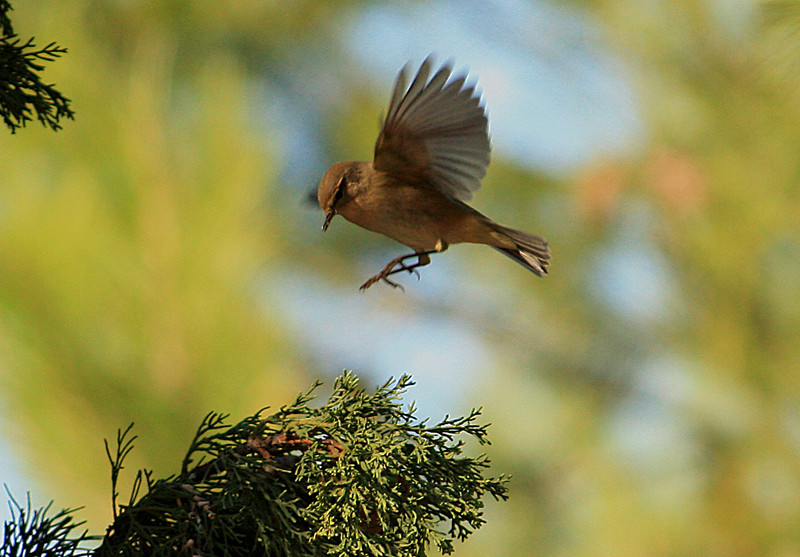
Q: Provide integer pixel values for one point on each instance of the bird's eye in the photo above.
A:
(339, 190)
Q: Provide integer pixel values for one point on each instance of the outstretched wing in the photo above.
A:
(435, 132)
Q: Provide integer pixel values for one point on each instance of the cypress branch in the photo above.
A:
(23, 94)
(357, 476)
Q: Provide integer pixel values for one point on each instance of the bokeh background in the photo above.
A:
(159, 258)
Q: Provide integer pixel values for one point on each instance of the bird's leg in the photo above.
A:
(398, 265)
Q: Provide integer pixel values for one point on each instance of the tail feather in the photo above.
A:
(530, 251)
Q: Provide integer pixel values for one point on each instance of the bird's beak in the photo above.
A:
(328, 218)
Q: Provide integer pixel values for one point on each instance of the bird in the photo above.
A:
(432, 151)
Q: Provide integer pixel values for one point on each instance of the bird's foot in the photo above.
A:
(388, 270)
(376, 278)
(398, 265)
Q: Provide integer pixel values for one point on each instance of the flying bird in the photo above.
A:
(431, 154)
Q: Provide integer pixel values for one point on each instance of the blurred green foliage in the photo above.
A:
(130, 243)
(644, 395)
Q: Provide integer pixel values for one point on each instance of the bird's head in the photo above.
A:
(333, 190)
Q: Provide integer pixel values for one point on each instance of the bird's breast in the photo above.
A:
(414, 216)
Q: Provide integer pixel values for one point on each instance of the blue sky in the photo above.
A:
(555, 95)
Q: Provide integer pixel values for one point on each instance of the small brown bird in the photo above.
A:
(430, 156)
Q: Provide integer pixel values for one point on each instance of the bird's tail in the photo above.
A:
(529, 250)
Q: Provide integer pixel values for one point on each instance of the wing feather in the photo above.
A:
(435, 132)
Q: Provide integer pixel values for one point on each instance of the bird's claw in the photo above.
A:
(398, 265)
(411, 270)
(381, 276)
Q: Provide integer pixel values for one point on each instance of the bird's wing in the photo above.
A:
(435, 132)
